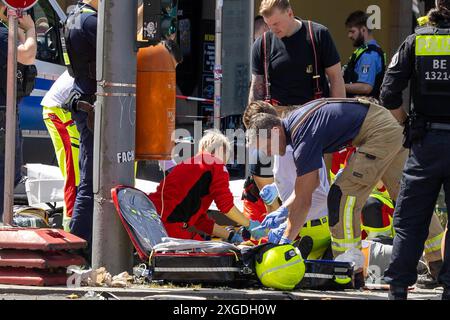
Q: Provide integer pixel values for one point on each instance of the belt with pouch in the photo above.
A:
(316, 222)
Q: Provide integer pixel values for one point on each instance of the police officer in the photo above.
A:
(80, 40)
(364, 73)
(424, 58)
(26, 53)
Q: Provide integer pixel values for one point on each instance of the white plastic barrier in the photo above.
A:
(44, 184)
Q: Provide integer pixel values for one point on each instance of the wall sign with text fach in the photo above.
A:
(160, 20)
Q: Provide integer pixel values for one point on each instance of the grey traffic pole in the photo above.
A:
(10, 134)
(114, 137)
(251, 21)
(218, 70)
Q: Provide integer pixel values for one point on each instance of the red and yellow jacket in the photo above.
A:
(188, 191)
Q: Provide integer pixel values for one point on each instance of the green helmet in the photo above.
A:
(280, 267)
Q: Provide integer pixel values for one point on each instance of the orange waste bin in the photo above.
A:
(155, 103)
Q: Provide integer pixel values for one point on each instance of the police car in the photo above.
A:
(47, 15)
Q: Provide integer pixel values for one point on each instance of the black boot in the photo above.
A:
(446, 294)
(429, 279)
(398, 293)
(435, 268)
(360, 282)
(426, 281)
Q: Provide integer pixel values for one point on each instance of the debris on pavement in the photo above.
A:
(100, 278)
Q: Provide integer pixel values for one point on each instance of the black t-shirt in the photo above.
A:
(291, 63)
(3, 62)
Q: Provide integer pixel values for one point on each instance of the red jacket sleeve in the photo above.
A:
(220, 189)
(204, 224)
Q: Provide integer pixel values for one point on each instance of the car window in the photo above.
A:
(47, 33)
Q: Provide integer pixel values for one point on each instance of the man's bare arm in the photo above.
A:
(300, 203)
(337, 84)
(261, 183)
(26, 51)
(257, 88)
(237, 216)
(400, 115)
(358, 88)
(220, 232)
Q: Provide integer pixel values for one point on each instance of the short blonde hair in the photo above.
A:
(212, 141)
(267, 6)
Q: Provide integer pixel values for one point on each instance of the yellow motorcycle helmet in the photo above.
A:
(280, 267)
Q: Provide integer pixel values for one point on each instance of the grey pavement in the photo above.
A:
(155, 293)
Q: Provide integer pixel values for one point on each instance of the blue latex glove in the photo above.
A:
(256, 231)
(275, 235)
(274, 219)
(237, 238)
(269, 194)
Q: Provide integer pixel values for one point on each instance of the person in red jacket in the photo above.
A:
(183, 198)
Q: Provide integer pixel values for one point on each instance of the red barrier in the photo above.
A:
(39, 239)
(31, 277)
(38, 260)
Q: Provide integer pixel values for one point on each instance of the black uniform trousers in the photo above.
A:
(426, 171)
(82, 219)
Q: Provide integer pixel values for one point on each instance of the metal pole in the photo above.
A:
(114, 137)
(218, 72)
(10, 134)
(251, 19)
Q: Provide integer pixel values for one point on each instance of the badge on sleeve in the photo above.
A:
(394, 61)
(365, 68)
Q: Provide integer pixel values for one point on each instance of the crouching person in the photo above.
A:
(184, 197)
(326, 126)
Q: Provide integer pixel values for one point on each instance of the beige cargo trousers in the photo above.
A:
(380, 157)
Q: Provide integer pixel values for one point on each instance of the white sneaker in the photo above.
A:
(353, 255)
